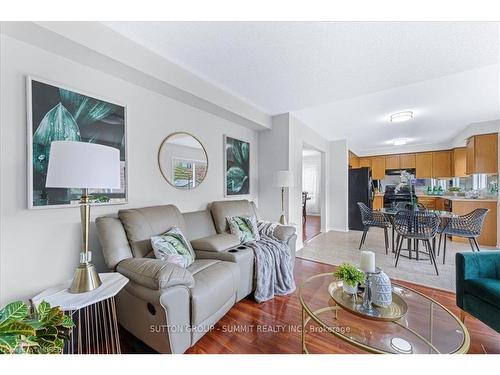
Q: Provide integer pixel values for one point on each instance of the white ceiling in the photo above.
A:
(442, 108)
(343, 78)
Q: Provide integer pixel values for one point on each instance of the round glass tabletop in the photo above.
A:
(427, 328)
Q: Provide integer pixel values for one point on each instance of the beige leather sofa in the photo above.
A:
(168, 307)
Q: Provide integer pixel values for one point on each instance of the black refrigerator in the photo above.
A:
(360, 190)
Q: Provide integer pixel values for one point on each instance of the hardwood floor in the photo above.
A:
(279, 318)
(311, 227)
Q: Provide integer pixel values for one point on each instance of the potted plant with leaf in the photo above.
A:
(25, 330)
(351, 277)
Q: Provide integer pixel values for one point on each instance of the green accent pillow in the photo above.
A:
(173, 247)
(245, 227)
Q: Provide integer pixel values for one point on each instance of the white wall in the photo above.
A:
(273, 156)
(339, 186)
(39, 248)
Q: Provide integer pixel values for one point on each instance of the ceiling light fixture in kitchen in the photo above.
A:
(401, 116)
(400, 142)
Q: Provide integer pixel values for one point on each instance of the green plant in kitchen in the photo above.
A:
(41, 330)
(349, 274)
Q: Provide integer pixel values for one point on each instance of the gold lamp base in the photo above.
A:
(86, 279)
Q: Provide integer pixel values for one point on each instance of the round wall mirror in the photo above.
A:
(183, 160)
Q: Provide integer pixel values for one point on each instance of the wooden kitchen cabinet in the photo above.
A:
(441, 164)
(392, 162)
(488, 235)
(482, 154)
(407, 161)
(378, 167)
(365, 162)
(378, 202)
(423, 165)
(459, 167)
(353, 160)
(440, 204)
(428, 202)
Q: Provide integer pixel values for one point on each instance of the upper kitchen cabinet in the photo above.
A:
(441, 164)
(459, 168)
(365, 162)
(353, 160)
(407, 161)
(423, 165)
(482, 154)
(378, 167)
(392, 162)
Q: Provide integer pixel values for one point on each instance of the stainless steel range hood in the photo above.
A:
(397, 172)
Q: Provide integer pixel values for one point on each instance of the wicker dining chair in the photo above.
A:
(376, 219)
(466, 226)
(419, 226)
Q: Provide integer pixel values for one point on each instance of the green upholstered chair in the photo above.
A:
(478, 286)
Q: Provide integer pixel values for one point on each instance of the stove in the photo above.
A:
(391, 198)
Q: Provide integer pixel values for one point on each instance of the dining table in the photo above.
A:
(391, 212)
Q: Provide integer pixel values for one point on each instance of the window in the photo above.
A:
(187, 172)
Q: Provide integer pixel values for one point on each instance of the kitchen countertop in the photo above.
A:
(459, 198)
(450, 197)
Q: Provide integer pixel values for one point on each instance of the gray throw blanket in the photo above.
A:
(273, 264)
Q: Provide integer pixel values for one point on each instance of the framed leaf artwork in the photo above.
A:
(57, 113)
(236, 167)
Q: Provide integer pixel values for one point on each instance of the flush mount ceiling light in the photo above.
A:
(400, 142)
(401, 116)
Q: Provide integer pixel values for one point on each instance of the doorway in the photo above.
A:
(311, 192)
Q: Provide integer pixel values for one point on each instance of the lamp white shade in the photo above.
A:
(283, 179)
(83, 165)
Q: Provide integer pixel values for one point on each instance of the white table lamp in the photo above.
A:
(85, 166)
(283, 180)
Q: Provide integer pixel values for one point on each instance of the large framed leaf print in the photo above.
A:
(56, 113)
(236, 167)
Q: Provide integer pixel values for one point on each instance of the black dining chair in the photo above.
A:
(466, 226)
(419, 226)
(371, 219)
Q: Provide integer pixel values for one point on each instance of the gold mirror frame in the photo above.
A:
(159, 164)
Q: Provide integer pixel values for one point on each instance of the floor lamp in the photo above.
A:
(84, 166)
(283, 180)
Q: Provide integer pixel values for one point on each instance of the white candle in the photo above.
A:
(367, 261)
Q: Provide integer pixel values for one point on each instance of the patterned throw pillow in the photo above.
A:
(172, 247)
(245, 227)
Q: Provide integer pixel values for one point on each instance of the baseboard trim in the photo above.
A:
(337, 229)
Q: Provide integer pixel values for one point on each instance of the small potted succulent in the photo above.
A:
(351, 277)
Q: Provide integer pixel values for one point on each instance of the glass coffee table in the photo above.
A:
(427, 328)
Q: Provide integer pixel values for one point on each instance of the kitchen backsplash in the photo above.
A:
(483, 183)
